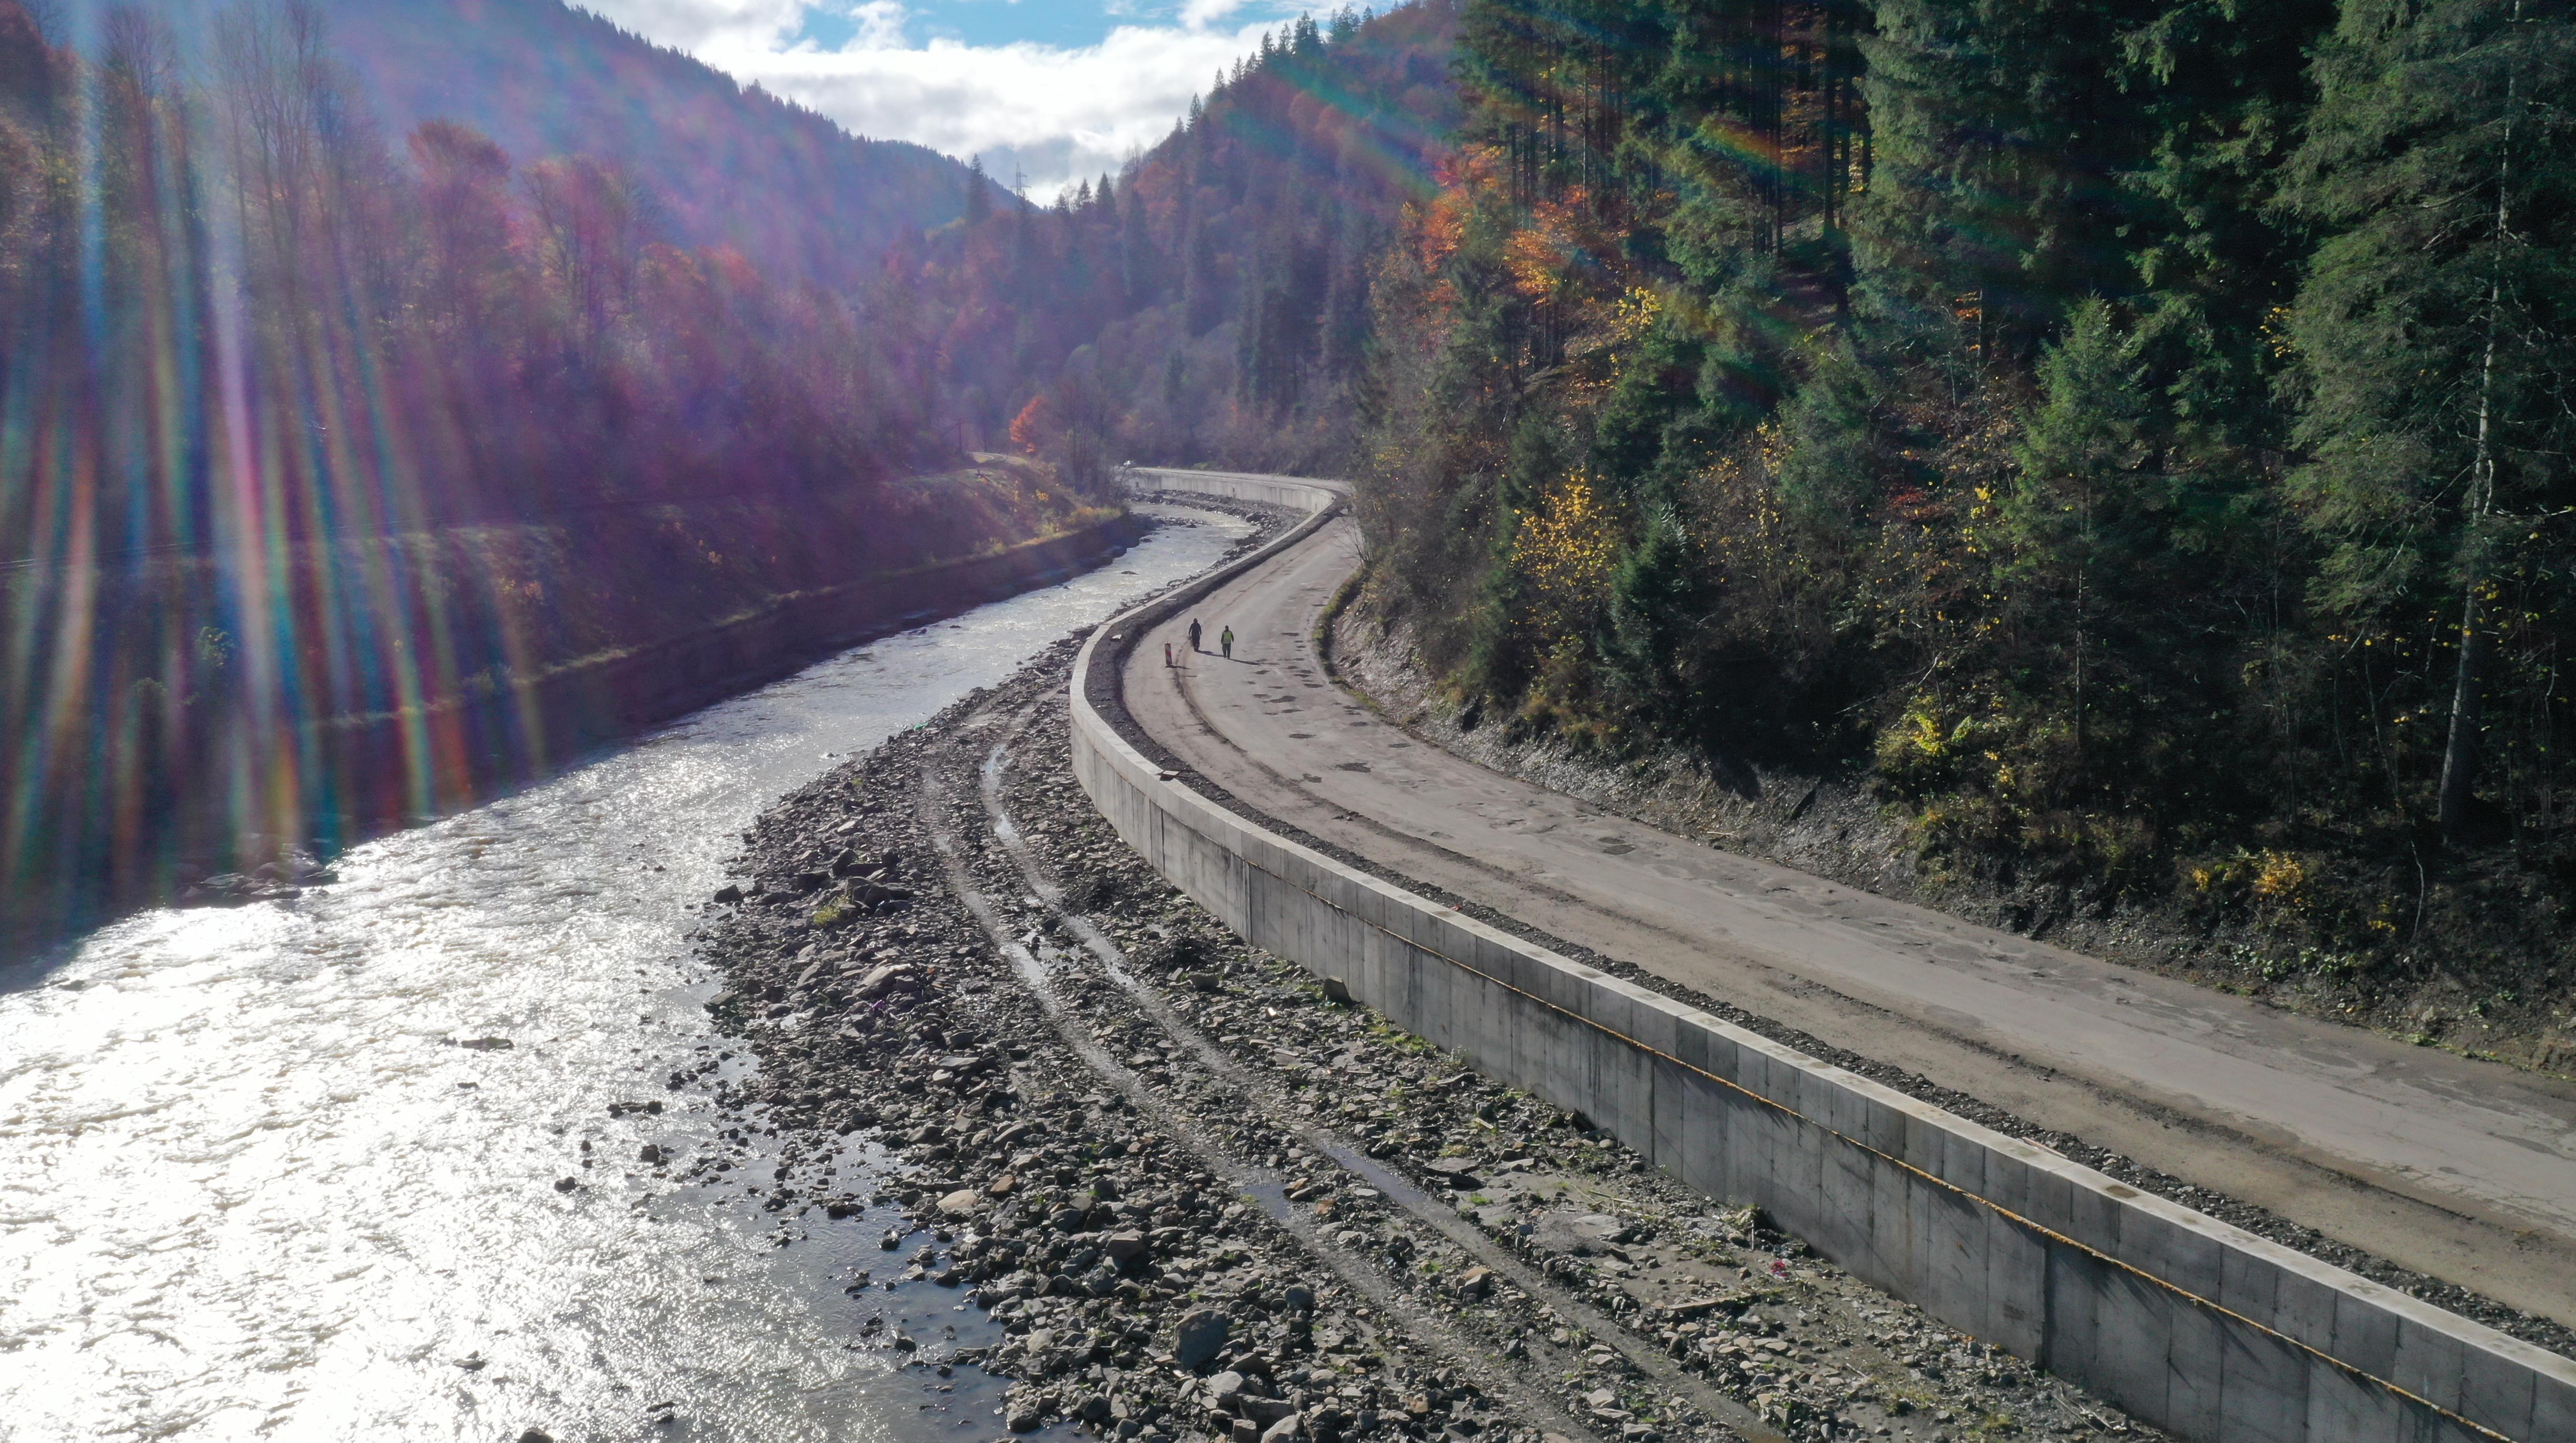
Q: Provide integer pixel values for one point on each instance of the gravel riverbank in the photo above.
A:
(1172, 1189)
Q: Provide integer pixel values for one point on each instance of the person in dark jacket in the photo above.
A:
(1194, 633)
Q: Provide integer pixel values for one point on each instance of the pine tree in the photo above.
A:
(2083, 518)
(2437, 330)
(1654, 595)
(1140, 265)
(1999, 136)
(1201, 300)
(2220, 89)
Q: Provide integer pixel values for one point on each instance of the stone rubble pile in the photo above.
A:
(1317, 1229)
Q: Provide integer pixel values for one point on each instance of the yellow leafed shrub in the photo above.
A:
(1566, 550)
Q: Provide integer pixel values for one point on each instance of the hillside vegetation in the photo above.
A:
(1209, 303)
(725, 164)
(2116, 450)
(2128, 439)
(303, 418)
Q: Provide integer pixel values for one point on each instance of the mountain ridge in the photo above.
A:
(542, 78)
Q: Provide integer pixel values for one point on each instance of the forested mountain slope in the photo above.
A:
(1211, 303)
(797, 195)
(305, 418)
(2127, 439)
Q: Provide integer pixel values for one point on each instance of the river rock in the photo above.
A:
(1569, 1235)
(890, 977)
(1199, 1336)
(1457, 1172)
(954, 1060)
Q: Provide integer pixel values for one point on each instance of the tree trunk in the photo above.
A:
(2460, 755)
(2477, 643)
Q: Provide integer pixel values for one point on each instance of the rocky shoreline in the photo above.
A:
(1204, 1198)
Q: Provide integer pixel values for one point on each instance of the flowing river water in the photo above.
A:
(252, 1186)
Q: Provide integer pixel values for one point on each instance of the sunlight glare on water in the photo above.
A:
(252, 1187)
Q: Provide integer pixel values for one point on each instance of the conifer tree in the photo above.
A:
(2437, 330)
(1999, 138)
(1140, 265)
(1201, 301)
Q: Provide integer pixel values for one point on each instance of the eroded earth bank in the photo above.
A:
(1204, 1199)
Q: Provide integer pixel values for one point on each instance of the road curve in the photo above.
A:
(2461, 1169)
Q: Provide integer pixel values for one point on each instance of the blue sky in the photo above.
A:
(1064, 23)
(1053, 90)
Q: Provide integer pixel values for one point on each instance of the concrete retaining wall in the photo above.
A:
(1287, 492)
(565, 709)
(2186, 1322)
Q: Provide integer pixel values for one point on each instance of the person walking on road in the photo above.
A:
(1225, 639)
(1194, 633)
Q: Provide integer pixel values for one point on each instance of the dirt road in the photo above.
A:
(2460, 1169)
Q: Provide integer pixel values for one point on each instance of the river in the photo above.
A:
(252, 1186)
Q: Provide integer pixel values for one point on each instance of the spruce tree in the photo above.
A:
(2434, 332)
(1999, 138)
(1141, 266)
(2084, 522)
(2219, 91)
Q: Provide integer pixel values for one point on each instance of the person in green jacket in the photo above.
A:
(1225, 641)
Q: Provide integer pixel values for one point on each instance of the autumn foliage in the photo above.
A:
(303, 422)
(2123, 439)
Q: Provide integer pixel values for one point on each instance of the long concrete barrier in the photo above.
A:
(2184, 1321)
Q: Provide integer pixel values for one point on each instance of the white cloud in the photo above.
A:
(1057, 113)
(1200, 14)
(697, 25)
(880, 24)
